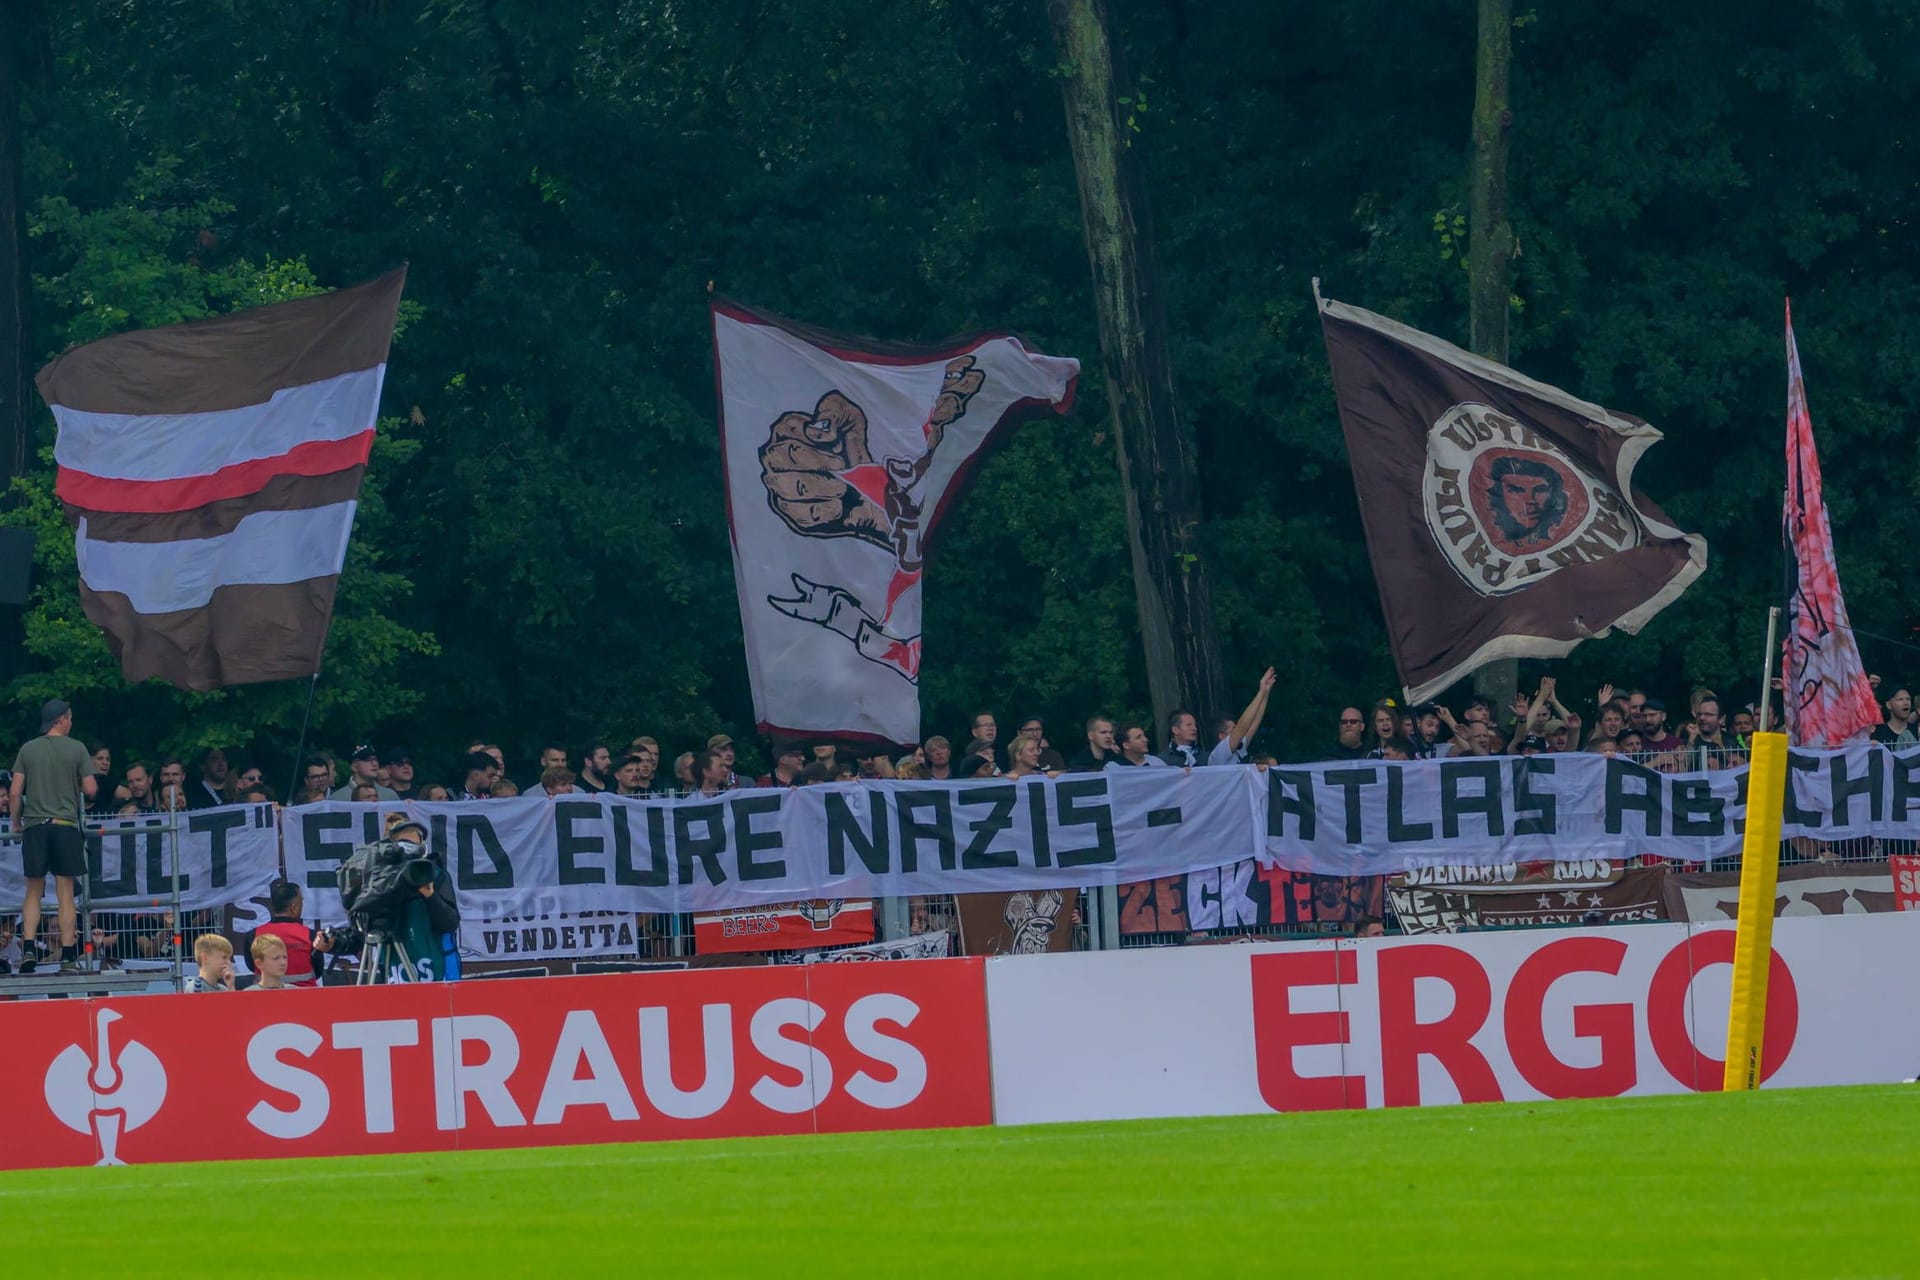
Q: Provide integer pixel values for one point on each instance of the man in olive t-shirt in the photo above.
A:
(52, 780)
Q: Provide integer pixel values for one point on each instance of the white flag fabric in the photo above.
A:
(841, 457)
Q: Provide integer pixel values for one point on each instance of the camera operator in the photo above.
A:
(406, 897)
(307, 948)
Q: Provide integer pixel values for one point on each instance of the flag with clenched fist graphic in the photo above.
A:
(842, 455)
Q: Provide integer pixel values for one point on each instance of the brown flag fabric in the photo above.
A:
(211, 472)
(1500, 512)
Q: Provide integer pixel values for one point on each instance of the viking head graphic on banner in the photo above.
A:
(841, 458)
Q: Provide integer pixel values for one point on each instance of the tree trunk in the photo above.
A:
(1490, 251)
(1157, 467)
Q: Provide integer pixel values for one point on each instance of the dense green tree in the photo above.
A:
(544, 550)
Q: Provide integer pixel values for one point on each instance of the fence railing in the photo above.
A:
(157, 935)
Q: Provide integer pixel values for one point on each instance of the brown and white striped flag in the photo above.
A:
(211, 471)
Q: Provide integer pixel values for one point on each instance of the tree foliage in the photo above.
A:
(543, 549)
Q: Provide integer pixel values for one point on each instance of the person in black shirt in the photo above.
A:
(210, 788)
(1351, 744)
(399, 762)
(596, 763)
(1100, 748)
(1183, 741)
(1050, 760)
(786, 767)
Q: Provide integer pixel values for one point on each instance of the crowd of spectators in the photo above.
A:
(1711, 733)
(1703, 732)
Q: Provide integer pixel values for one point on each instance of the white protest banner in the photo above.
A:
(1368, 817)
(222, 855)
(533, 855)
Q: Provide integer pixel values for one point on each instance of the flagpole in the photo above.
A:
(300, 750)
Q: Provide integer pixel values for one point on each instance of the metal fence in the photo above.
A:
(117, 935)
(156, 936)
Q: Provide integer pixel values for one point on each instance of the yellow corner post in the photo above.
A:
(1753, 936)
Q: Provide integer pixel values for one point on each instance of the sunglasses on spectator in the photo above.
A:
(1351, 720)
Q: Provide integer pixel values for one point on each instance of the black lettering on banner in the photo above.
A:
(437, 841)
(1399, 830)
(1791, 813)
(705, 847)
(1906, 784)
(1037, 823)
(127, 843)
(158, 862)
(471, 830)
(906, 803)
(315, 847)
(1632, 787)
(1696, 812)
(1350, 781)
(1068, 793)
(371, 829)
(215, 824)
(1000, 798)
(1871, 784)
(657, 875)
(1203, 899)
(1289, 791)
(1740, 781)
(749, 842)
(845, 832)
(1454, 804)
(1535, 813)
(569, 845)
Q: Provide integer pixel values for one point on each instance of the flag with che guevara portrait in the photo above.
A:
(841, 457)
(1500, 513)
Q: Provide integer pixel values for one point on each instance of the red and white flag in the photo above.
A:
(211, 471)
(841, 457)
(1827, 700)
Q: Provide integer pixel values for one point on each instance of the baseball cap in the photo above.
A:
(1533, 744)
(791, 749)
(405, 824)
(1654, 704)
(717, 741)
(1556, 724)
(396, 755)
(365, 753)
(50, 712)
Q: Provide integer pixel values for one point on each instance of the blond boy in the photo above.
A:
(270, 962)
(214, 955)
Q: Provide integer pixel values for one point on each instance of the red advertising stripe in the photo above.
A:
(785, 926)
(538, 1062)
(313, 458)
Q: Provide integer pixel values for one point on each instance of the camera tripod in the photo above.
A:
(377, 957)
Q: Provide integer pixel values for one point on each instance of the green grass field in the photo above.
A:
(1803, 1183)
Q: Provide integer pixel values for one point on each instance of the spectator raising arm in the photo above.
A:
(1234, 746)
(1532, 717)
